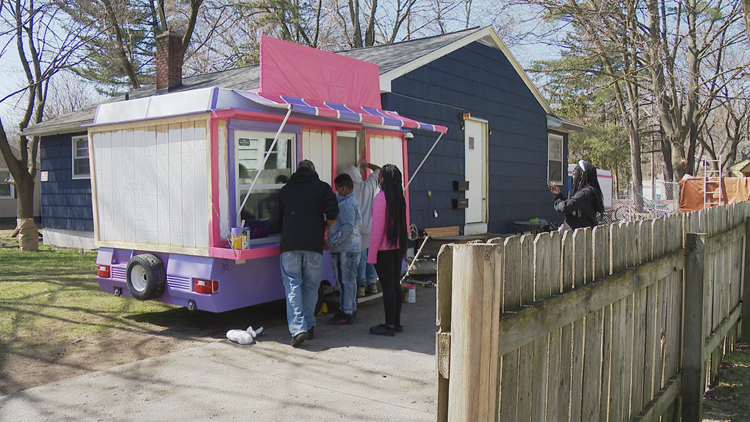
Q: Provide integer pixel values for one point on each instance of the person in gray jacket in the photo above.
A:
(364, 191)
(345, 243)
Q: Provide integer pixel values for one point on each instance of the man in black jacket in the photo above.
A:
(307, 207)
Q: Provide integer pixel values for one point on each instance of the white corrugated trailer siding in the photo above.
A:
(151, 184)
(387, 150)
(316, 147)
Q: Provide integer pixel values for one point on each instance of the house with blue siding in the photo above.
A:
(489, 171)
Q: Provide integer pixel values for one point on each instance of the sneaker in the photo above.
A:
(299, 338)
(382, 330)
(399, 329)
(342, 319)
(372, 289)
(361, 291)
(311, 333)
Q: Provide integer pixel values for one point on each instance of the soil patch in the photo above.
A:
(729, 396)
(147, 335)
(60, 359)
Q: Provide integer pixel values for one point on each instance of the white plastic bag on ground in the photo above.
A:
(244, 336)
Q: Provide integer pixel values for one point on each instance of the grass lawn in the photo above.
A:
(52, 295)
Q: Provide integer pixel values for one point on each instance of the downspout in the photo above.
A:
(262, 166)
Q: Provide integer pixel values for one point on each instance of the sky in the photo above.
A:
(520, 21)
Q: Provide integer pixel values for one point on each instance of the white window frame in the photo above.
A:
(10, 185)
(74, 142)
(551, 137)
(259, 186)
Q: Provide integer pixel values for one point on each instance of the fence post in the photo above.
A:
(472, 391)
(694, 337)
(442, 337)
(745, 334)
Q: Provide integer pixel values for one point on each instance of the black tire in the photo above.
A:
(146, 277)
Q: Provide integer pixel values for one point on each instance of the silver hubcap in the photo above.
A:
(138, 278)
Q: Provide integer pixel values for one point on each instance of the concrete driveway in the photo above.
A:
(344, 374)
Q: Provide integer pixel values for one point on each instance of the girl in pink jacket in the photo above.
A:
(388, 245)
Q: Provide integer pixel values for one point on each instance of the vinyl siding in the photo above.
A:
(480, 80)
(66, 202)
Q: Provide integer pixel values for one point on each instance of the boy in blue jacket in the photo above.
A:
(345, 242)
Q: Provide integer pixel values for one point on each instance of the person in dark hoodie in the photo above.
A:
(585, 200)
(307, 207)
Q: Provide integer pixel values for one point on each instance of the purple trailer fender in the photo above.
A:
(249, 283)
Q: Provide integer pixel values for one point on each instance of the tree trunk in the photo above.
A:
(25, 190)
(370, 32)
(121, 50)
(679, 163)
(693, 61)
(27, 238)
(354, 15)
(746, 5)
(635, 166)
(666, 153)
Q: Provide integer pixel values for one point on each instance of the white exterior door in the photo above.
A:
(475, 148)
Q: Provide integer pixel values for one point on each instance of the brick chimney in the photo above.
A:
(168, 61)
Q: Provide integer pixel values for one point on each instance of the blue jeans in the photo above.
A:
(300, 273)
(345, 271)
(366, 273)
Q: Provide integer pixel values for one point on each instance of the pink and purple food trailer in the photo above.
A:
(172, 174)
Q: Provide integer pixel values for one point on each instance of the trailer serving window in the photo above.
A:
(261, 208)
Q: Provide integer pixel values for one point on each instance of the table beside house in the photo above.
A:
(533, 227)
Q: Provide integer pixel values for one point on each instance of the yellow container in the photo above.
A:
(237, 238)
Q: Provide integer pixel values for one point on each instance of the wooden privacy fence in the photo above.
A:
(615, 323)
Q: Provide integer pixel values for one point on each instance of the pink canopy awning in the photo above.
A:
(332, 110)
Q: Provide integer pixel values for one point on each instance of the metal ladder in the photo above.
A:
(713, 183)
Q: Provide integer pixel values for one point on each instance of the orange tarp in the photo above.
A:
(734, 189)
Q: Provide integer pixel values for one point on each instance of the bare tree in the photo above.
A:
(722, 138)
(666, 54)
(42, 53)
(685, 99)
(68, 92)
(609, 33)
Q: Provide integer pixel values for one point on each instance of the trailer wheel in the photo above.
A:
(146, 277)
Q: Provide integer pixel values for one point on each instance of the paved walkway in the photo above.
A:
(344, 374)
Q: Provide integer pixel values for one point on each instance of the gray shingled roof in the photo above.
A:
(392, 56)
(388, 57)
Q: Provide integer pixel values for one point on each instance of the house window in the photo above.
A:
(6, 189)
(555, 158)
(81, 157)
(262, 205)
